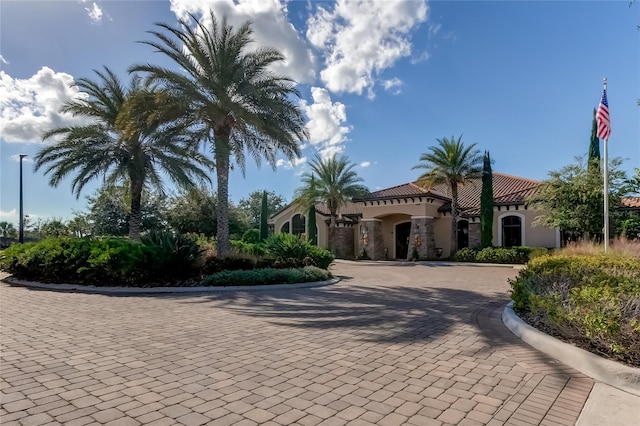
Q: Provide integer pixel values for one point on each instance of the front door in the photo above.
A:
(403, 232)
(463, 234)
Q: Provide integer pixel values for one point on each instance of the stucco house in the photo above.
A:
(391, 222)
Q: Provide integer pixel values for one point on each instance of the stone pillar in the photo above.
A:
(422, 238)
(370, 238)
(474, 234)
(342, 244)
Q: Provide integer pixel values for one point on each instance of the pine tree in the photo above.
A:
(486, 203)
(594, 146)
(264, 214)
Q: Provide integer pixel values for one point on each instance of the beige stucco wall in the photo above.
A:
(534, 236)
(392, 214)
(442, 231)
(411, 209)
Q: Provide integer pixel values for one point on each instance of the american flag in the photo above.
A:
(602, 117)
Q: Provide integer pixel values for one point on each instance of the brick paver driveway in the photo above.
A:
(389, 345)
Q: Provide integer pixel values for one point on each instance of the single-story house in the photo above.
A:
(391, 222)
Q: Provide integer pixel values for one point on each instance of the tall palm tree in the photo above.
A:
(238, 105)
(332, 181)
(7, 230)
(133, 134)
(453, 164)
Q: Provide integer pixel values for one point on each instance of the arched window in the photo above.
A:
(511, 231)
(298, 225)
(285, 228)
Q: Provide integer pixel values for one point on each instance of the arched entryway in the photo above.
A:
(403, 232)
(463, 234)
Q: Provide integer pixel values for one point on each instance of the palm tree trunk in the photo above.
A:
(136, 201)
(454, 218)
(222, 208)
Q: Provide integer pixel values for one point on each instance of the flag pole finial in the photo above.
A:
(604, 82)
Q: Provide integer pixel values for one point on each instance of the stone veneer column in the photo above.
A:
(342, 244)
(370, 238)
(474, 234)
(422, 231)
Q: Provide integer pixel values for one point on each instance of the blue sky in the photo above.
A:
(380, 80)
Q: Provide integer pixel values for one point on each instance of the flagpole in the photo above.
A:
(606, 186)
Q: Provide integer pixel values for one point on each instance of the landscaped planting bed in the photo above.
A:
(162, 259)
(592, 301)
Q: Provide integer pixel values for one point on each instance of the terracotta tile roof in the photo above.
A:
(631, 202)
(507, 189)
(349, 209)
(406, 190)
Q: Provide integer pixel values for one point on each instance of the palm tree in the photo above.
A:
(453, 164)
(237, 104)
(333, 182)
(132, 135)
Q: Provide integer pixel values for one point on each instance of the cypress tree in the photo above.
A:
(486, 203)
(594, 146)
(264, 214)
(313, 230)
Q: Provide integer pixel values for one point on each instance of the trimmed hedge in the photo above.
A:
(267, 276)
(499, 254)
(80, 261)
(593, 301)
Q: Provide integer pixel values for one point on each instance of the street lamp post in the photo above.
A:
(21, 236)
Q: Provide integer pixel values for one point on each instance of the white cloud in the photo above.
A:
(394, 85)
(290, 164)
(360, 39)
(326, 130)
(434, 28)
(94, 12)
(16, 158)
(422, 57)
(271, 28)
(10, 216)
(29, 107)
(3, 60)
(365, 164)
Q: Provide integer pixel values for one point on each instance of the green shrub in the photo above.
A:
(254, 249)
(588, 298)
(287, 246)
(252, 236)
(232, 263)
(173, 253)
(267, 276)
(499, 254)
(81, 261)
(466, 255)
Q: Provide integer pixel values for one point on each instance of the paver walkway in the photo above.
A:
(389, 345)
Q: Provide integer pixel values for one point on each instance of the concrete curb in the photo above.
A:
(429, 263)
(134, 290)
(603, 370)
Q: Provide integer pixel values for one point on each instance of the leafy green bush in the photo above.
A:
(593, 300)
(173, 253)
(466, 254)
(267, 276)
(252, 236)
(286, 246)
(254, 249)
(499, 254)
(232, 263)
(82, 261)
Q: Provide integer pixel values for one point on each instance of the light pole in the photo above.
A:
(21, 235)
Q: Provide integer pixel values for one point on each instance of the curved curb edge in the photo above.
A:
(603, 370)
(155, 290)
